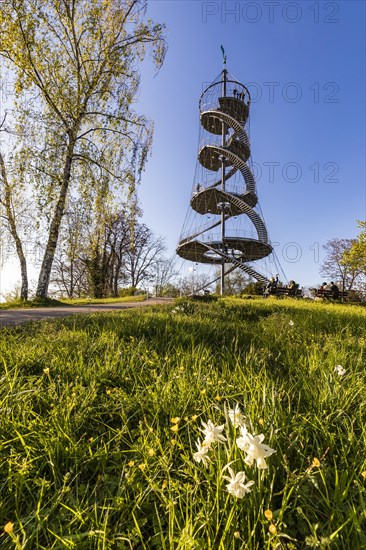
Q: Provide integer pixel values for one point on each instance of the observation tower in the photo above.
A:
(224, 224)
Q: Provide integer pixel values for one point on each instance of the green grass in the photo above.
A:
(49, 302)
(89, 460)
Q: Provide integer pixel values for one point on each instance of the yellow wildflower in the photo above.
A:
(194, 417)
(131, 463)
(363, 474)
(46, 370)
(272, 529)
(142, 467)
(164, 485)
(173, 442)
(175, 428)
(268, 514)
(175, 420)
(9, 527)
(261, 422)
(218, 397)
(203, 392)
(316, 463)
(151, 452)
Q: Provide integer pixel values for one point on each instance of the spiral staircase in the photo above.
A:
(224, 110)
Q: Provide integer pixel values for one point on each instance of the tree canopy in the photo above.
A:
(80, 58)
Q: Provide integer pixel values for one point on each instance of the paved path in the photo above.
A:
(19, 316)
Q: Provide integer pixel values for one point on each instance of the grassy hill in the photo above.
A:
(101, 415)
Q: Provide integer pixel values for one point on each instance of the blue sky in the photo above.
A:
(304, 63)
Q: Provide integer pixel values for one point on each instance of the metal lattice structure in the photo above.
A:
(224, 191)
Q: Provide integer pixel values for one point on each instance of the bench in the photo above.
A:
(281, 291)
(328, 294)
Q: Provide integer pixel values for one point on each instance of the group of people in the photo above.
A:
(238, 95)
(331, 287)
(327, 290)
(273, 284)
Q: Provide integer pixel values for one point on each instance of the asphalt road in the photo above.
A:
(10, 317)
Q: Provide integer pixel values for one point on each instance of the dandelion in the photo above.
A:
(316, 463)
(268, 514)
(272, 529)
(9, 527)
(175, 428)
(340, 370)
(201, 454)
(236, 416)
(213, 433)
(236, 485)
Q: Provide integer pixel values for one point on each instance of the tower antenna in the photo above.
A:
(223, 55)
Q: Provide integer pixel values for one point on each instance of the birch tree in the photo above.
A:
(81, 58)
(12, 211)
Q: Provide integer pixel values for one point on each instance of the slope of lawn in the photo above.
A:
(100, 416)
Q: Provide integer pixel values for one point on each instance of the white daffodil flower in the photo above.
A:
(201, 454)
(256, 451)
(236, 485)
(236, 416)
(213, 433)
(340, 370)
(243, 441)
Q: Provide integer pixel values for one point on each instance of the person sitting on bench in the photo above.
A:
(271, 286)
(334, 290)
(292, 288)
(322, 288)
